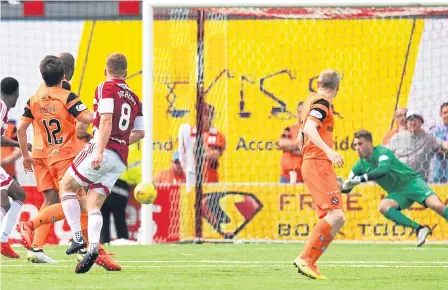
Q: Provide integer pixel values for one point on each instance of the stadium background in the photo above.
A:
(385, 63)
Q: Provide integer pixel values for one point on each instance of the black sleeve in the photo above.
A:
(76, 108)
(319, 109)
(27, 112)
(71, 97)
(66, 85)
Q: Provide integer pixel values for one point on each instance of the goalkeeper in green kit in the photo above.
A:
(403, 185)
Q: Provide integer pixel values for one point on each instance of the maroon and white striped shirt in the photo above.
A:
(115, 97)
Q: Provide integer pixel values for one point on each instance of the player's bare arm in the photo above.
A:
(136, 136)
(22, 137)
(6, 142)
(11, 158)
(104, 131)
(86, 118)
(81, 129)
(289, 146)
(310, 130)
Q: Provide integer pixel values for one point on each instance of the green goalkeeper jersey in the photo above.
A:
(398, 175)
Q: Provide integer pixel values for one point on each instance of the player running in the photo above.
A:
(403, 185)
(9, 212)
(118, 122)
(316, 137)
(54, 110)
(44, 180)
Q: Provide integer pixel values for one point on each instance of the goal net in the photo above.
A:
(254, 66)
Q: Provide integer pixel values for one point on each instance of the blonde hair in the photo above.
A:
(329, 79)
(117, 64)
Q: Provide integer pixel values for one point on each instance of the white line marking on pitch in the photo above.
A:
(233, 262)
(241, 266)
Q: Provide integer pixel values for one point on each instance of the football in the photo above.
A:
(145, 193)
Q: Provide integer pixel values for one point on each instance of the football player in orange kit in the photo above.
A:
(316, 140)
(54, 111)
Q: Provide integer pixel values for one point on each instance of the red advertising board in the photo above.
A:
(165, 208)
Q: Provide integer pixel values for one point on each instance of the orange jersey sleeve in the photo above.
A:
(317, 108)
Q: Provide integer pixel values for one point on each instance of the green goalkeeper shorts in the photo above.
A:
(415, 191)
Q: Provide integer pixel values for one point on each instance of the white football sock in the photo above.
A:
(10, 219)
(94, 228)
(2, 214)
(72, 212)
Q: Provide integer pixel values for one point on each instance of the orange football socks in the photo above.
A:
(319, 241)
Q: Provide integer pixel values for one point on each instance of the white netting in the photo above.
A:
(258, 65)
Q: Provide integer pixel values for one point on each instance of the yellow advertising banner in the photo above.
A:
(256, 71)
(284, 212)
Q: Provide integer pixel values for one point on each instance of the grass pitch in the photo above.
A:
(241, 266)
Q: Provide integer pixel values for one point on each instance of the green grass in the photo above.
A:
(242, 266)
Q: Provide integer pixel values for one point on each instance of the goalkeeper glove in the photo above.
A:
(348, 185)
(343, 185)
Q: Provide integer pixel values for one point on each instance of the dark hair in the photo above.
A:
(69, 64)
(52, 70)
(9, 86)
(442, 106)
(363, 134)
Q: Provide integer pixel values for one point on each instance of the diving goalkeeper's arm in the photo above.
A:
(357, 175)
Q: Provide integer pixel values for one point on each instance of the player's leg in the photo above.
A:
(6, 249)
(98, 192)
(320, 179)
(35, 231)
(11, 211)
(84, 219)
(41, 233)
(72, 211)
(423, 194)
(434, 203)
(391, 208)
(105, 231)
(94, 202)
(79, 174)
(36, 253)
(46, 184)
(104, 259)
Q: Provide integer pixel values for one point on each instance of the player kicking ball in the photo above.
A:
(403, 185)
(117, 123)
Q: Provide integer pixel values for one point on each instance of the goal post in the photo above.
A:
(146, 227)
(254, 65)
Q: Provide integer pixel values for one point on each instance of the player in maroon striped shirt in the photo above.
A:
(117, 123)
(9, 212)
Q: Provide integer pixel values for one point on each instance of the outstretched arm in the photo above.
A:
(357, 177)
(6, 142)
